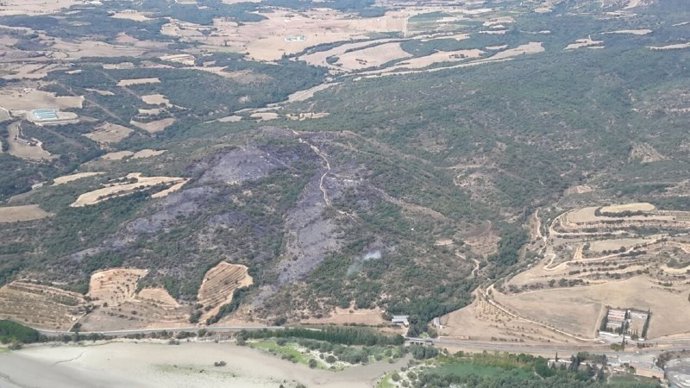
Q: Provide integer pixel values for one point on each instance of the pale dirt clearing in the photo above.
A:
(371, 57)
(585, 43)
(63, 49)
(341, 316)
(170, 190)
(130, 14)
(138, 81)
(230, 119)
(156, 99)
(319, 58)
(109, 133)
(25, 99)
(629, 207)
(600, 246)
(29, 149)
(101, 92)
(130, 184)
(159, 296)
(307, 115)
(643, 31)
(22, 213)
(188, 365)
(40, 306)
(219, 284)
(264, 116)
(304, 95)
(579, 189)
(117, 155)
(114, 286)
(678, 46)
(61, 180)
(154, 126)
(437, 57)
(147, 153)
(27, 71)
(501, 56)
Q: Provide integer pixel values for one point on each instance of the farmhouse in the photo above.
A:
(401, 320)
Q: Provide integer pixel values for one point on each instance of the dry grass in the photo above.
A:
(341, 316)
(582, 43)
(138, 81)
(22, 213)
(29, 149)
(73, 177)
(130, 184)
(114, 286)
(131, 15)
(117, 155)
(219, 284)
(158, 296)
(24, 99)
(108, 133)
(147, 153)
(678, 46)
(576, 309)
(156, 99)
(371, 56)
(34, 7)
(632, 32)
(629, 207)
(40, 306)
(437, 57)
(154, 126)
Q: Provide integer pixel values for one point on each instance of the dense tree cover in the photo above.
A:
(14, 332)
(336, 335)
(510, 370)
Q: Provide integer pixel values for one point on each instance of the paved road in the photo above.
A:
(191, 329)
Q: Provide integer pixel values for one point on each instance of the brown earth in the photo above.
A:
(219, 284)
(22, 213)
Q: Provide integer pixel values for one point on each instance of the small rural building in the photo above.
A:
(402, 320)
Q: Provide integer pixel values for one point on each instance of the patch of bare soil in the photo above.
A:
(22, 213)
(344, 316)
(586, 42)
(154, 126)
(138, 81)
(371, 56)
(40, 306)
(219, 284)
(117, 155)
(21, 147)
(147, 153)
(25, 99)
(73, 177)
(677, 46)
(114, 286)
(124, 186)
(34, 7)
(108, 133)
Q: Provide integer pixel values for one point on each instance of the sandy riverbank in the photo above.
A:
(136, 365)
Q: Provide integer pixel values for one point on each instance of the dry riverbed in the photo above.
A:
(129, 364)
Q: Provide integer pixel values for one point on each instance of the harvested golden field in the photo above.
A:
(629, 207)
(117, 155)
(371, 56)
(73, 177)
(159, 296)
(28, 98)
(138, 81)
(219, 284)
(22, 213)
(319, 58)
(114, 286)
(437, 57)
(21, 147)
(577, 309)
(34, 7)
(156, 99)
(147, 153)
(130, 15)
(154, 126)
(585, 43)
(108, 133)
(341, 316)
(677, 46)
(40, 306)
(127, 185)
